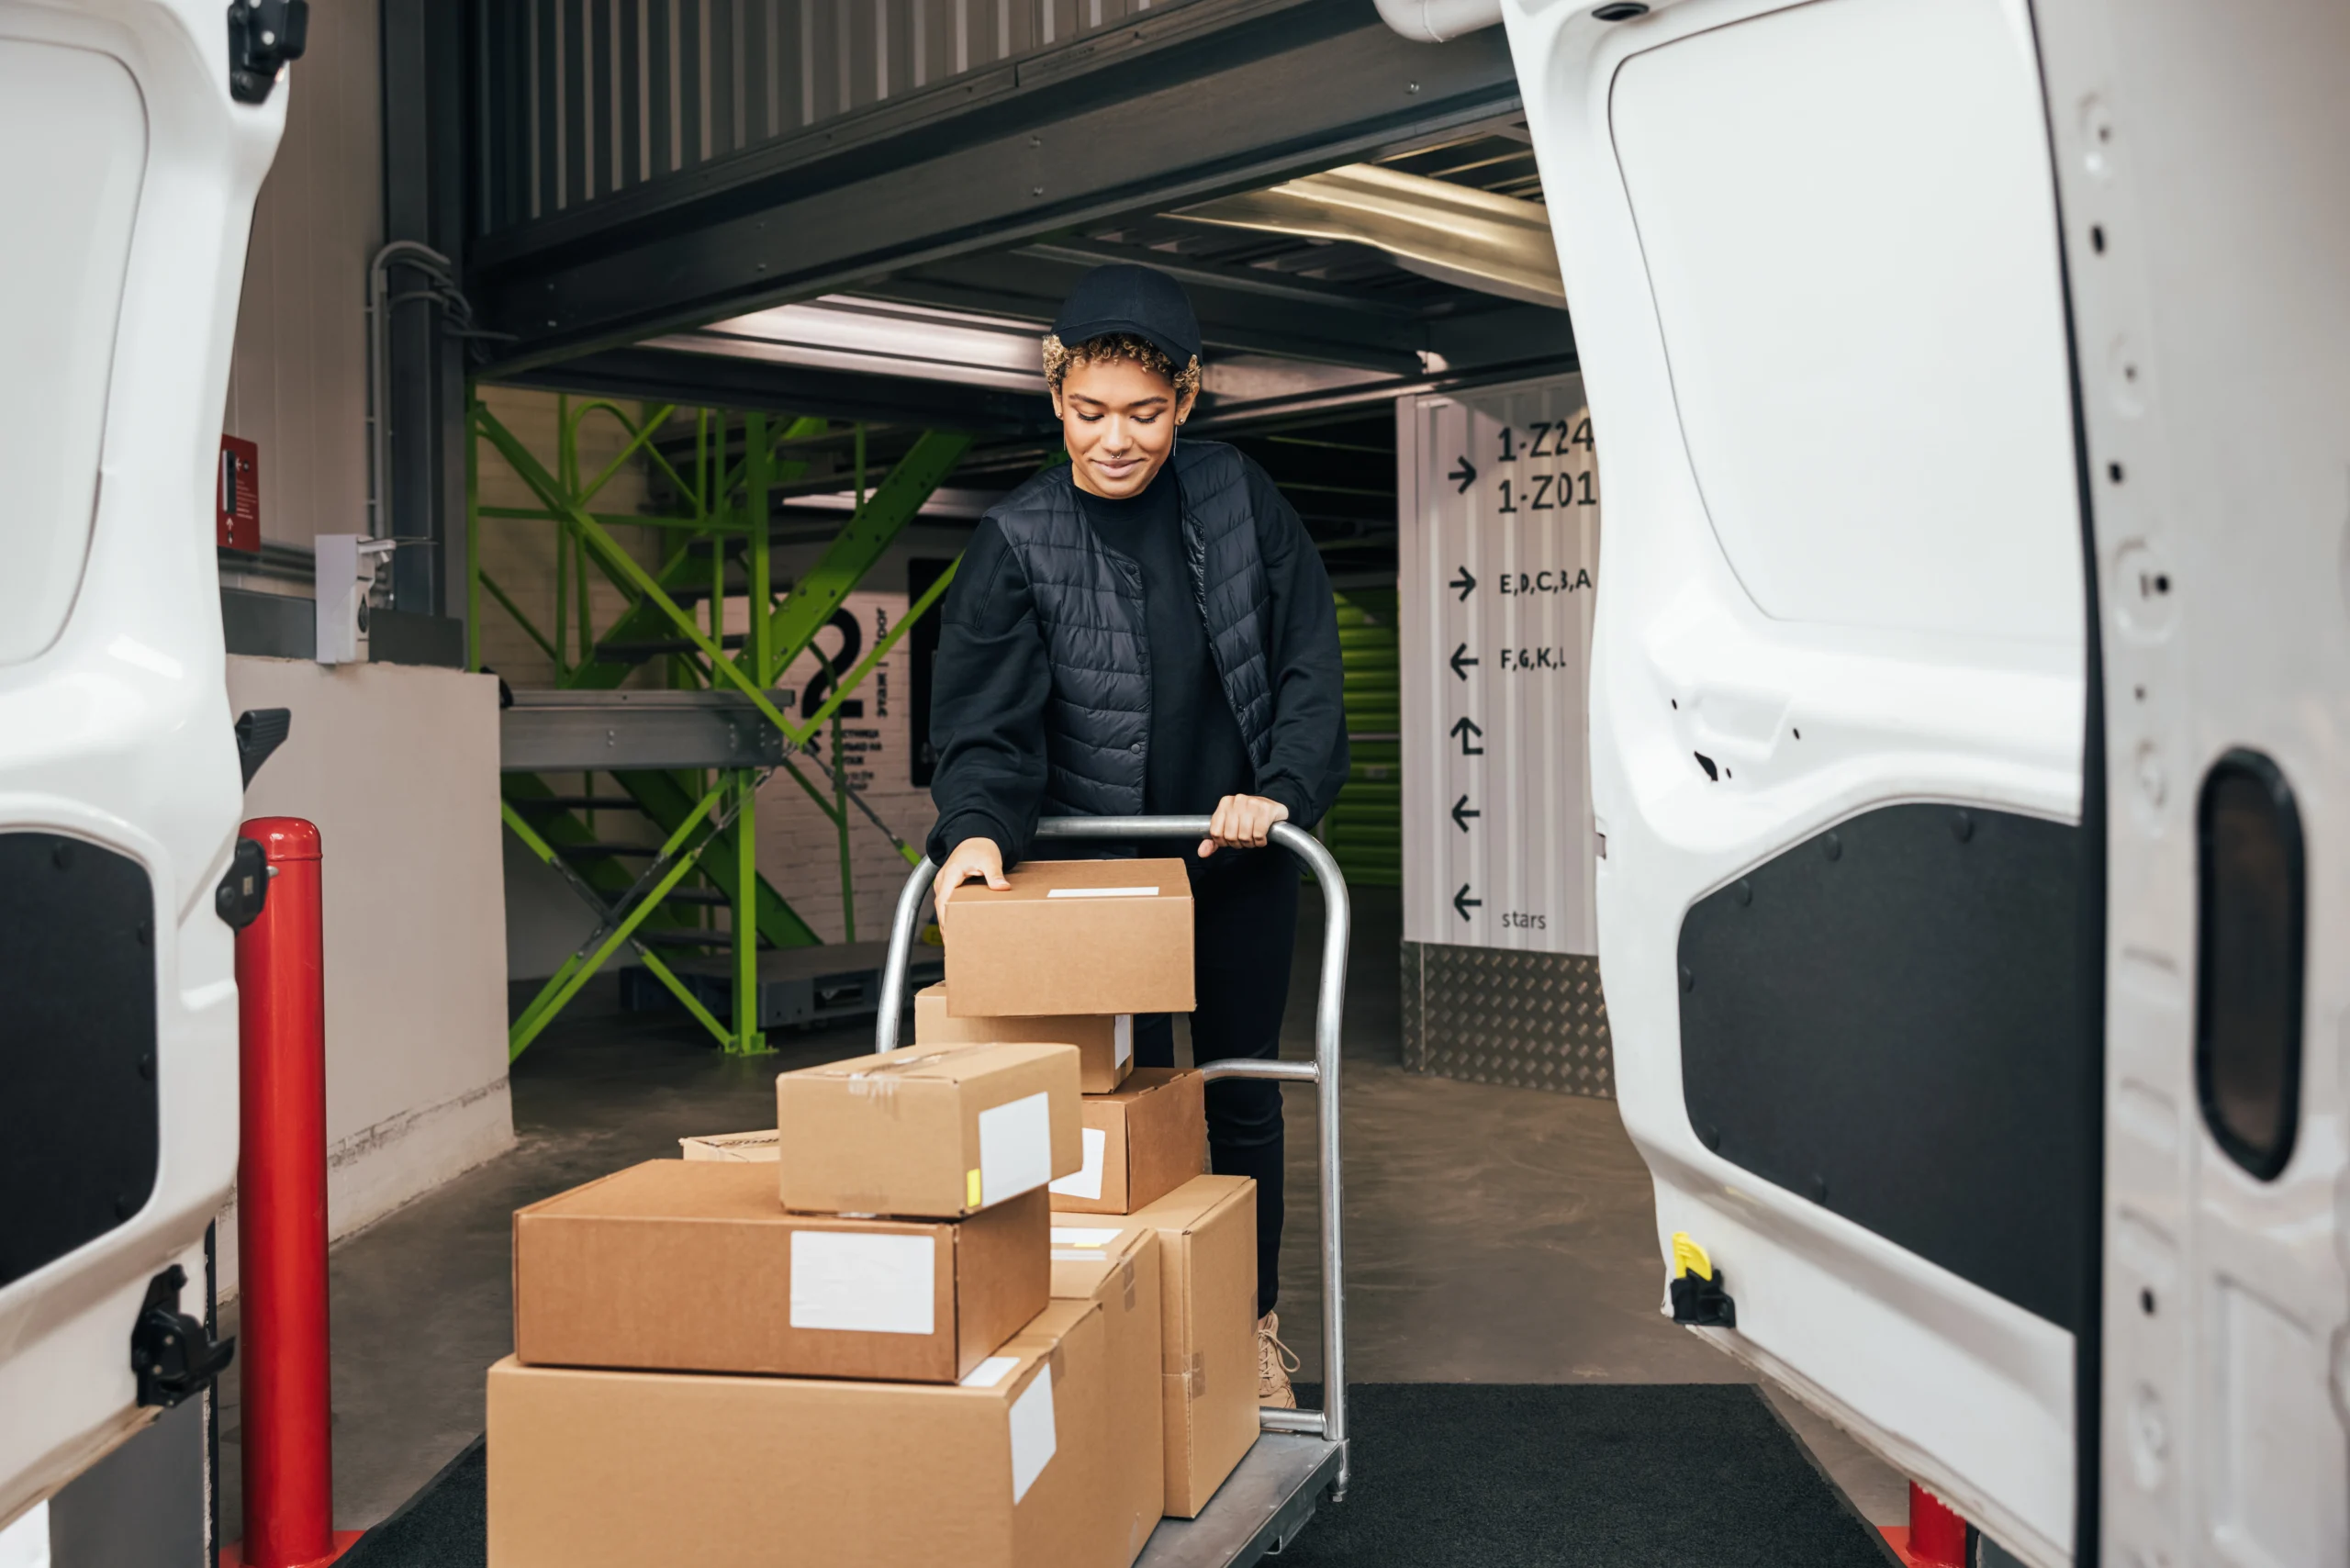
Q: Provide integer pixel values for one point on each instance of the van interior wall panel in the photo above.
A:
(78, 1123)
(298, 384)
(1884, 1019)
(1181, 103)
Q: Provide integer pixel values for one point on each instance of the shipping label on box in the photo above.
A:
(928, 1131)
(1207, 1258)
(1072, 936)
(1140, 1143)
(1014, 1466)
(694, 1266)
(1104, 1042)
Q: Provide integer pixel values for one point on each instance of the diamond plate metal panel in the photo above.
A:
(1496, 1015)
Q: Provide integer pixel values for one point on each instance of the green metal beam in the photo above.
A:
(870, 531)
(608, 550)
(666, 800)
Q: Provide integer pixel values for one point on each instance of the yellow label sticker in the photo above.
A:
(971, 1188)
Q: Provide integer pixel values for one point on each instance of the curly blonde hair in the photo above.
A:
(1060, 357)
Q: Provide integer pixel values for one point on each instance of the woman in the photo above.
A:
(1149, 630)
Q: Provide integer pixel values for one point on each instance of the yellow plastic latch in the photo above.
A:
(1688, 1258)
(971, 1191)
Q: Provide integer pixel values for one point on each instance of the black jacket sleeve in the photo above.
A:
(1309, 760)
(989, 684)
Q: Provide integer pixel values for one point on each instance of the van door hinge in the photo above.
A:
(262, 36)
(169, 1353)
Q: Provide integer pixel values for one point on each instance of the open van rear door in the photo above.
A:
(1839, 700)
(2203, 157)
(1879, 329)
(128, 173)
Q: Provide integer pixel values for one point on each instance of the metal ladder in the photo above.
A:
(1299, 1454)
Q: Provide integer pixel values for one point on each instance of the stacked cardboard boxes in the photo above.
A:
(859, 1337)
(1145, 1129)
(847, 1355)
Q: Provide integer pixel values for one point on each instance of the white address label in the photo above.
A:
(865, 1283)
(1086, 1180)
(1101, 894)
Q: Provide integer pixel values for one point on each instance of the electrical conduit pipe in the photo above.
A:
(1433, 21)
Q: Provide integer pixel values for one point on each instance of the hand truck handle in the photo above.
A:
(1330, 1422)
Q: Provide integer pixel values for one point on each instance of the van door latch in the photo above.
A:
(169, 1353)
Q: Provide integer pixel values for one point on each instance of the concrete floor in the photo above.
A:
(1493, 1235)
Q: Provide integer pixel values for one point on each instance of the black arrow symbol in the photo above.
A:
(1464, 727)
(1464, 472)
(1462, 903)
(1459, 659)
(1465, 583)
(1462, 813)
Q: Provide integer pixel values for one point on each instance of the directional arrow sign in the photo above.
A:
(1465, 727)
(1459, 659)
(1462, 903)
(1462, 813)
(1464, 473)
(1465, 583)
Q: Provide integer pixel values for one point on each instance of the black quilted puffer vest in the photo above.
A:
(1088, 602)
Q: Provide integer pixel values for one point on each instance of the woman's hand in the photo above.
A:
(1241, 822)
(973, 857)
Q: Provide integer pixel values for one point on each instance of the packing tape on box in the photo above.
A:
(1192, 1368)
(1126, 1279)
(881, 1082)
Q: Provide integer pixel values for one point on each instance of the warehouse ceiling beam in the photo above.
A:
(1178, 105)
(673, 373)
(1456, 234)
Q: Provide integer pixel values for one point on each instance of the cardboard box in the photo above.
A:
(1104, 1042)
(757, 1148)
(1072, 936)
(1207, 1265)
(617, 1470)
(932, 1131)
(1140, 1143)
(1115, 1266)
(692, 1266)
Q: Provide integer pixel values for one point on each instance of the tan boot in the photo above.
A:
(1275, 1361)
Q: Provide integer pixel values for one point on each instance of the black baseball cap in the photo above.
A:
(1138, 301)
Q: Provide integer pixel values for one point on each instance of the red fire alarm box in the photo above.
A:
(236, 508)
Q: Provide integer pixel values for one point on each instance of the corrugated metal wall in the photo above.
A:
(1365, 828)
(581, 98)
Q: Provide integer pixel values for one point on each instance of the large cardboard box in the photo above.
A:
(932, 1131)
(1141, 1143)
(694, 1267)
(1104, 1042)
(1115, 1266)
(753, 1147)
(1207, 1261)
(1072, 936)
(1004, 1470)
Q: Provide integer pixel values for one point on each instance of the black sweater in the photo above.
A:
(992, 678)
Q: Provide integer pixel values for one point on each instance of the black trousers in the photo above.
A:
(1243, 929)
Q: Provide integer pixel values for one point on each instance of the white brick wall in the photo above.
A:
(799, 848)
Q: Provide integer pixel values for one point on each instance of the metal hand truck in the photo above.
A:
(1299, 1453)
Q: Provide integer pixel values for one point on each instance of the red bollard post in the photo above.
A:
(1937, 1535)
(282, 1213)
